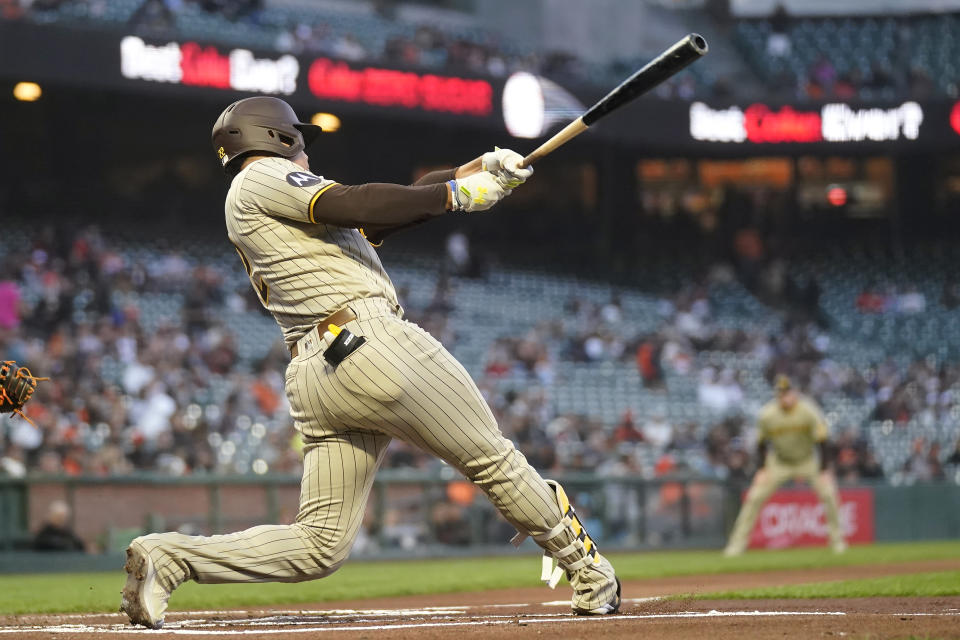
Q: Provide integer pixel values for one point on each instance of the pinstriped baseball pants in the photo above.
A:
(402, 384)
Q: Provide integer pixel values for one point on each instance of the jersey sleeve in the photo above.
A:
(279, 187)
(436, 177)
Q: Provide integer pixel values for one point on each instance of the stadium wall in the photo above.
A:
(668, 513)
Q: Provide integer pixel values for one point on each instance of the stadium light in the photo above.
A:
(326, 121)
(27, 91)
(836, 195)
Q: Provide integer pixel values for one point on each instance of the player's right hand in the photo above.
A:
(478, 192)
(505, 164)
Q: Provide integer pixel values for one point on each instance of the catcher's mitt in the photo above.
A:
(17, 385)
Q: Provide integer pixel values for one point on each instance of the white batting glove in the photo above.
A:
(505, 164)
(478, 192)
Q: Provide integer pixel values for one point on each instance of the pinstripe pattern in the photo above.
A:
(401, 383)
(310, 270)
(338, 474)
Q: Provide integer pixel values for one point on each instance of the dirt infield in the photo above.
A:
(522, 613)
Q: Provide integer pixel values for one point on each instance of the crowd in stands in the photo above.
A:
(69, 310)
(849, 57)
(135, 389)
(921, 392)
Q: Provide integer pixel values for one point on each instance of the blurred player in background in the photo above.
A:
(791, 443)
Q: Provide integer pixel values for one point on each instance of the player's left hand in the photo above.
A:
(505, 164)
(478, 192)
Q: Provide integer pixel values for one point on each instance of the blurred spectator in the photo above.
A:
(923, 465)
(12, 463)
(881, 77)
(778, 42)
(349, 48)
(648, 363)
(846, 87)
(626, 430)
(822, 77)
(11, 9)
(951, 294)
(153, 17)
(719, 393)
(56, 534)
(449, 524)
(869, 467)
(871, 300)
(954, 457)
(9, 304)
(919, 83)
(911, 301)
(460, 261)
(657, 431)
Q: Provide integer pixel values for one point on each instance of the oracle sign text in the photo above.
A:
(795, 517)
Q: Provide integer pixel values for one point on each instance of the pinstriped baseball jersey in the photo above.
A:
(795, 433)
(302, 271)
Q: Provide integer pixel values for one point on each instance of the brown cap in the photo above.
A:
(782, 383)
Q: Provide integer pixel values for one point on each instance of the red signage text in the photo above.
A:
(389, 88)
(785, 125)
(204, 66)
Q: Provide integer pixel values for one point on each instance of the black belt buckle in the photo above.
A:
(343, 345)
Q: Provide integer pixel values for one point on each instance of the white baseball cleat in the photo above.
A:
(839, 547)
(143, 599)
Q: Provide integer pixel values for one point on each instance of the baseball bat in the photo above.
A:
(682, 54)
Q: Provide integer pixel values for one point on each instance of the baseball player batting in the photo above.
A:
(360, 375)
(793, 429)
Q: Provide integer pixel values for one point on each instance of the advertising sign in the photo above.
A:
(795, 518)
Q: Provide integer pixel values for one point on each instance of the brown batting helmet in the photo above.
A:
(259, 125)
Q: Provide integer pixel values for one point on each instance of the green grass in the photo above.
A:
(937, 583)
(35, 593)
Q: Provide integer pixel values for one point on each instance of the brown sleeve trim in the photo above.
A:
(378, 204)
